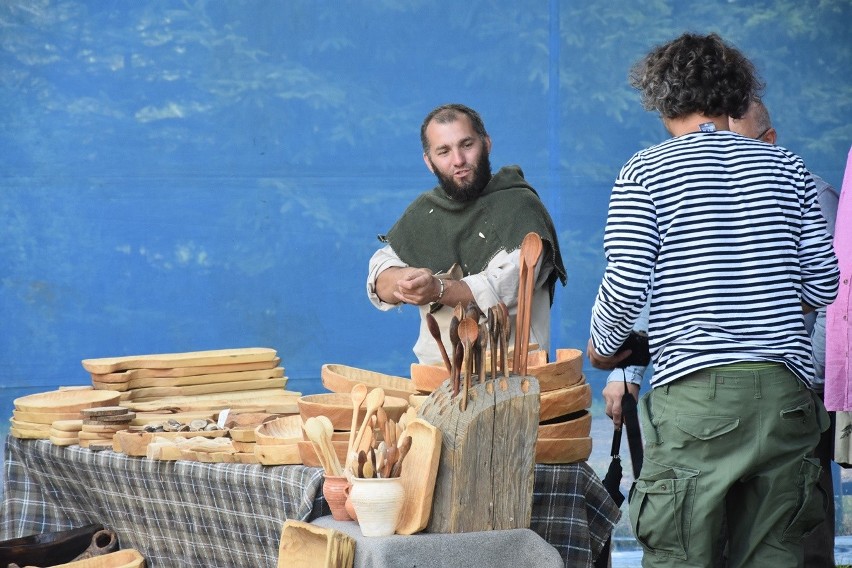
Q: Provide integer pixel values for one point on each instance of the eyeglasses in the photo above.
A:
(762, 134)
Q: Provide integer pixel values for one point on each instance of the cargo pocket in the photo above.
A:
(811, 502)
(661, 511)
(706, 427)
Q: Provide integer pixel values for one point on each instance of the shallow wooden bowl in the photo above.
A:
(562, 450)
(564, 401)
(66, 400)
(243, 434)
(427, 378)
(341, 378)
(283, 430)
(308, 455)
(135, 443)
(284, 454)
(562, 373)
(45, 417)
(574, 425)
(243, 446)
(338, 408)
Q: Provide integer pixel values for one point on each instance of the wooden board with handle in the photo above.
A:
(187, 359)
(131, 374)
(154, 393)
(418, 473)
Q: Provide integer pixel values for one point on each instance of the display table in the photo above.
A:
(185, 513)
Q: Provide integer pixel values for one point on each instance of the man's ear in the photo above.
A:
(488, 144)
(770, 136)
(428, 162)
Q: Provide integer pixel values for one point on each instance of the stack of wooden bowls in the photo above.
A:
(277, 441)
(34, 415)
(564, 421)
(337, 407)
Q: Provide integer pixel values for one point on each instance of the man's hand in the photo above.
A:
(417, 286)
(612, 394)
(605, 363)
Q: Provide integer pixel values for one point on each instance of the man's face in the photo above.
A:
(748, 126)
(459, 158)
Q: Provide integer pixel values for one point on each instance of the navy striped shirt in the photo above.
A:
(731, 230)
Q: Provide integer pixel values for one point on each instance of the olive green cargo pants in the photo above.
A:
(730, 441)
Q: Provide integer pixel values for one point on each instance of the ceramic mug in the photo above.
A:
(334, 489)
(378, 503)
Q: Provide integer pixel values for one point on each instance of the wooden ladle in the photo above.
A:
(374, 400)
(468, 332)
(358, 394)
(435, 330)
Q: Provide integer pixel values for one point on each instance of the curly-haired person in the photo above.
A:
(731, 230)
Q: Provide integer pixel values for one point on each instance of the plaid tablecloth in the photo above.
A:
(227, 515)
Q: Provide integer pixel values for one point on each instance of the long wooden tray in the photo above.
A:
(419, 471)
(260, 398)
(193, 390)
(132, 374)
(207, 379)
(187, 359)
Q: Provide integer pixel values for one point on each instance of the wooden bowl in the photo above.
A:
(308, 455)
(135, 443)
(427, 378)
(243, 446)
(564, 401)
(562, 373)
(283, 430)
(338, 408)
(284, 454)
(574, 425)
(562, 450)
(49, 548)
(60, 401)
(341, 378)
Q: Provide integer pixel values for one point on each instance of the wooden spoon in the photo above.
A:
(316, 433)
(482, 345)
(374, 400)
(362, 459)
(531, 248)
(493, 334)
(468, 332)
(506, 332)
(435, 330)
(404, 446)
(458, 360)
(328, 429)
(358, 394)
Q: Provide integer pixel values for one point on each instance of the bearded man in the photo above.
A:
(471, 220)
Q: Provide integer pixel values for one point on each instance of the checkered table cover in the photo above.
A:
(182, 513)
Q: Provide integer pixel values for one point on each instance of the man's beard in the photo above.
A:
(465, 192)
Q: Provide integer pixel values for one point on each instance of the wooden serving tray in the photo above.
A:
(186, 359)
(136, 443)
(341, 378)
(418, 474)
(179, 372)
(61, 401)
(256, 399)
(304, 545)
(155, 393)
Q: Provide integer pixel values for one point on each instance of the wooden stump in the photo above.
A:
(486, 472)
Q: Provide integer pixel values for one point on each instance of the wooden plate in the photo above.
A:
(29, 434)
(31, 426)
(338, 408)
(562, 450)
(564, 401)
(67, 425)
(304, 544)
(574, 425)
(66, 400)
(341, 378)
(186, 359)
(284, 430)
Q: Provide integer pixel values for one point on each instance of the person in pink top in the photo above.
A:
(838, 332)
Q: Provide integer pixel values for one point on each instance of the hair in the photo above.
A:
(762, 121)
(445, 114)
(696, 73)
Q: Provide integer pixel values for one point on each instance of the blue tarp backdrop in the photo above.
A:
(190, 175)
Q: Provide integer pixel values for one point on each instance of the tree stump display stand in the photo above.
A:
(487, 466)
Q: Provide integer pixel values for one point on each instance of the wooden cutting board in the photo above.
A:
(193, 390)
(210, 378)
(131, 374)
(419, 471)
(260, 398)
(172, 360)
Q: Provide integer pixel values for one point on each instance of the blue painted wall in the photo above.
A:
(178, 176)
